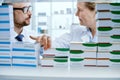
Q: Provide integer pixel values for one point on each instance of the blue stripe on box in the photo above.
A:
(4, 57)
(4, 14)
(28, 50)
(4, 21)
(5, 6)
(22, 57)
(4, 42)
(25, 65)
(4, 49)
(5, 64)
(4, 29)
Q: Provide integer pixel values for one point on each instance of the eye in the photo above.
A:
(25, 10)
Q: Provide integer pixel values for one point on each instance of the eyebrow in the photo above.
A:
(22, 7)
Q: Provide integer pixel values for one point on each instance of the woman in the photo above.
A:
(86, 15)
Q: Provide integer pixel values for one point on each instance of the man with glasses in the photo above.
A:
(22, 14)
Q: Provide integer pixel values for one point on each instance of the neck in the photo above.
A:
(18, 29)
(93, 30)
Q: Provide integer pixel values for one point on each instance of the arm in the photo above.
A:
(62, 41)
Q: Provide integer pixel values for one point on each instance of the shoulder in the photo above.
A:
(29, 32)
(78, 29)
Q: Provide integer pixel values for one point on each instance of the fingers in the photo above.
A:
(44, 41)
(49, 42)
(34, 38)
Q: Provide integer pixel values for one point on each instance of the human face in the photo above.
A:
(21, 17)
(85, 16)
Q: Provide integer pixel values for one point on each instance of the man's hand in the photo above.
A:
(44, 40)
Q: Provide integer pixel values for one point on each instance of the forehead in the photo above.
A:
(21, 4)
(81, 5)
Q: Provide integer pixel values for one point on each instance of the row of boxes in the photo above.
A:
(6, 22)
(25, 54)
(85, 57)
(82, 54)
(108, 25)
(55, 57)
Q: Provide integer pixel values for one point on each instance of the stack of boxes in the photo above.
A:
(55, 57)
(108, 25)
(82, 54)
(6, 22)
(48, 58)
(25, 54)
(61, 57)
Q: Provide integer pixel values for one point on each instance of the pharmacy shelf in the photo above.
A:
(52, 73)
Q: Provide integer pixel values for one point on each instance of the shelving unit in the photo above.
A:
(55, 18)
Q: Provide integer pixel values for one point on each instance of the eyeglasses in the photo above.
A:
(24, 9)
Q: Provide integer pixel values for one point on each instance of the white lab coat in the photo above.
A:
(26, 34)
(77, 33)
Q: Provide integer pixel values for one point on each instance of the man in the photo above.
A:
(22, 15)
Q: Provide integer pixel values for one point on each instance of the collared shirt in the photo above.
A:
(77, 34)
(26, 34)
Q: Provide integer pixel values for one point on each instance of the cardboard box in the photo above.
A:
(4, 33)
(111, 23)
(5, 61)
(108, 15)
(6, 9)
(61, 61)
(83, 46)
(47, 62)
(108, 62)
(80, 62)
(108, 31)
(76, 62)
(108, 46)
(5, 53)
(107, 39)
(111, 55)
(107, 6)
(25, 62)
(82, 54)
(6, 17)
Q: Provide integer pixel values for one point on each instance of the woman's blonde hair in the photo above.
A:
(90, 5)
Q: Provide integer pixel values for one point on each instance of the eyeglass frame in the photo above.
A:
(23, 9)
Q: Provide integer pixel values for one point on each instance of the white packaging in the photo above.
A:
(111, 31)
(83, 55)
(76, 62)
(6, 17)
(107, 15)
(24, 62)
(83, 46)
(6, 9)
(61, 62)
(47, 62)
(106, 23)
(107, 39)
(5, 61)
(108, 47)
(107, 6)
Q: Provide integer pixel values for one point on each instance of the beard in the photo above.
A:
(22, 24)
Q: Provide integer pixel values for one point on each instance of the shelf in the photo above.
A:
(59, 73)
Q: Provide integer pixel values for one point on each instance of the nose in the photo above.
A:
(29, 13)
